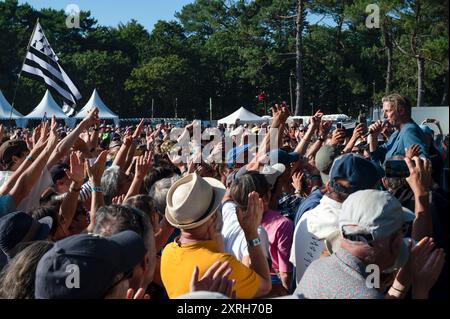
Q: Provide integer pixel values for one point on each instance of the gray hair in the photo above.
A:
(159, 192)
(113, 219)
(111, 183)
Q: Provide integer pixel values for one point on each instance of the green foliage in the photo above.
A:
(232, 50)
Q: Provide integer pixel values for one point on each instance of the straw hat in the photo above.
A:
(192, 200)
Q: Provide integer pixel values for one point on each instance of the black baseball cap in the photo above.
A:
(19, 227)
(95, 259)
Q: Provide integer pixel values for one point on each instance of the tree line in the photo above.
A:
(233, 50)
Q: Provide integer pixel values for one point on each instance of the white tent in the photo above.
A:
(244, 116)
(104, 112)
(47, 107)
(5, 109)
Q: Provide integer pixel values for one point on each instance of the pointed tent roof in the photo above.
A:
(96, 101)
(244, 115)
(47, 107)
(5, 109)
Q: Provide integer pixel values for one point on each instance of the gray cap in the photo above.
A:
(271, 173)
(324, 160)
(373, 212)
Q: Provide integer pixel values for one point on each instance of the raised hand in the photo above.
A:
(325, 127)
(52, 139)
(29, 140)
(143, 164)
(54, 123)
(95, 171)
(138, 130)
(412, 151)
(297, 180)
(118, 200)
(376, 128)
(127, 141)
(358, 131)
(315, 119)
(250, 217)
(215, 279)
(426, 266)
(337, 137)
(92, 118)
(419, 179)
(280, 113)
(76, 172)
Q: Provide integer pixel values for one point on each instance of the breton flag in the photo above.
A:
(67, 109)
(41, 63)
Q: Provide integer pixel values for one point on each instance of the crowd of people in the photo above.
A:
(274, 210)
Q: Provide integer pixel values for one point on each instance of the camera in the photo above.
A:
(396, 168)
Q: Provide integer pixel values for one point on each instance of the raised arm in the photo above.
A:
(314, 125)
(66, 144)
(37, 149)
(280, 115)
(357, 133)
(249, 220)
(419, 181)
(95, 177)
(70, 201)
(30, 176)
(143, 164)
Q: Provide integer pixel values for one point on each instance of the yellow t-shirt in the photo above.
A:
(178, 262)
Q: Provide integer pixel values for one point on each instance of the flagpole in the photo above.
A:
(21, 68)
(153, 103)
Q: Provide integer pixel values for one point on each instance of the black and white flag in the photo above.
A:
(67, 109)
(41, 63)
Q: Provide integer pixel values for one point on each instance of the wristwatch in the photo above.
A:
(254, 242)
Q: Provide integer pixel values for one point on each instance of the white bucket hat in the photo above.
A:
(192, 200)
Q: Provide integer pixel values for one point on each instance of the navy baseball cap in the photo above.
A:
(235, 153)
(19, 227)
(281, 156)
(94, 259)
(359, 172)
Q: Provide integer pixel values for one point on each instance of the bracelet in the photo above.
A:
(254, 242)
(30, 158)
(97, 190)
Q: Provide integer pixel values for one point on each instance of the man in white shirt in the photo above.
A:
(349, 173)
(234, 237)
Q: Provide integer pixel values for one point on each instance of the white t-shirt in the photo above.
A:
(233, 235)
(313, 227)
(31, 201)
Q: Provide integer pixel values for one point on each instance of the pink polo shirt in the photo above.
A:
(280, 231)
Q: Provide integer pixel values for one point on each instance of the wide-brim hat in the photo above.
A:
(192, 201)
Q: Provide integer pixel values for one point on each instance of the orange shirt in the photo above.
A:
(178, 262)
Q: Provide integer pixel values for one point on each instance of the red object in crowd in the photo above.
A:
(262, 97)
